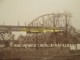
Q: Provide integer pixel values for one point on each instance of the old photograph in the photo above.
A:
(39, 29)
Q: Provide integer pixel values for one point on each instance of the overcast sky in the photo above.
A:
(12, 11)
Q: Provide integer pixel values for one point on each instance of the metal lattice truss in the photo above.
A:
(55, 20)
(6, 36)
(56, 26)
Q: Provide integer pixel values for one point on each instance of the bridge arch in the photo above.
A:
(54, 20)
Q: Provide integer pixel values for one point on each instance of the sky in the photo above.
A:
(14, 11)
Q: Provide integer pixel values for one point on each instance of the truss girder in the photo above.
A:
(55, 20)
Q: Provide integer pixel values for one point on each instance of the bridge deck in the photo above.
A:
(30, 28)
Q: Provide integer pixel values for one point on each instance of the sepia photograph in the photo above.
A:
(39, 29)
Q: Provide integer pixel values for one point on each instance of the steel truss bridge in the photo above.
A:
(49, 28)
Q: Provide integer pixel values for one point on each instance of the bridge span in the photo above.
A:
(34, 29)
(52, 28)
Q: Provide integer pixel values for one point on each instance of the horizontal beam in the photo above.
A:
(30, 29)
